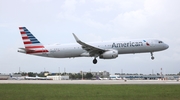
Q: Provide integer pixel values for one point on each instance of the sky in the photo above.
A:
(54, 21)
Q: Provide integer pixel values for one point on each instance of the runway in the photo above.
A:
(89, 82)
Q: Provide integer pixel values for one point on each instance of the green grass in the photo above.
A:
(88, 92)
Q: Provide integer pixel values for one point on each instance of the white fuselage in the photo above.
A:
(123, 47)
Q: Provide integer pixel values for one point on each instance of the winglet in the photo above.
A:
(77, 40)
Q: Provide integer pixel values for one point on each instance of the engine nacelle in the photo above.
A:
(111, 54)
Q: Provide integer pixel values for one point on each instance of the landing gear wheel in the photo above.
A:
(95, 61)
(152, 58)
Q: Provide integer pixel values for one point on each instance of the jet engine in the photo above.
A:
(111, 54)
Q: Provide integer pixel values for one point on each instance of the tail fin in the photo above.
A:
(32, 45)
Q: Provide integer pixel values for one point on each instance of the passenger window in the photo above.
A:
(160, 42)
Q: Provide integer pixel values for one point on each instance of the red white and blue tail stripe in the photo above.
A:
(32, 45)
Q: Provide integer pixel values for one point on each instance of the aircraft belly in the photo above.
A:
(125, 50)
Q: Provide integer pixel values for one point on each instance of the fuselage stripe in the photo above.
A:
(37, 51)
(29, 47)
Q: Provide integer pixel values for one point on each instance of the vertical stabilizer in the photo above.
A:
(32, 45)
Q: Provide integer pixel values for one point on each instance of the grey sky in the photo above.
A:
(54, 21)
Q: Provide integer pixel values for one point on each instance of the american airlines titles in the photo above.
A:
(128, 44)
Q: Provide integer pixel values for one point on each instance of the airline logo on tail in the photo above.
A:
(32, 45)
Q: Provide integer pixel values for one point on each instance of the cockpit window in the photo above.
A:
(160, 42)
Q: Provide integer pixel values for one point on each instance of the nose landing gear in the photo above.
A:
(152, 57)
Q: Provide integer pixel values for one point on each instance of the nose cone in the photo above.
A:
(166, 46)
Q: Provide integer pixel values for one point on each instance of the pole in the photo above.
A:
(82, 75)
(59, 74)
(59, 70)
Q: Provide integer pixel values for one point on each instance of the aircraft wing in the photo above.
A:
(93, 51)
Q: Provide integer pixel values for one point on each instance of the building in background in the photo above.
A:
(58, 77)
(100, 74)
(4, 76)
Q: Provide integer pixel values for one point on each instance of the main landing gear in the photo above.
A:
(152, 57)
(95, 61)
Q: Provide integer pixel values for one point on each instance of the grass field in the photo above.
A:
(88, 92)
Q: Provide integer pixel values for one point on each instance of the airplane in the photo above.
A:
(42, 78)
(103, 50)
(36, 78)
(17, 78)
(29, 78)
